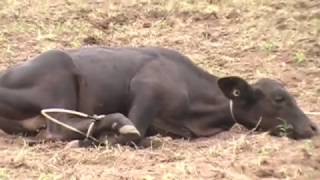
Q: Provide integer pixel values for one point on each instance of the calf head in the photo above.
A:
(268, 106)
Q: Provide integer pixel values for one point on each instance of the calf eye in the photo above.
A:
(279, 99)
(236, 92)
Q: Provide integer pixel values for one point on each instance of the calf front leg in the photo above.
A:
(143, 110)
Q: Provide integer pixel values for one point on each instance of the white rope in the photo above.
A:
(313, 113)
(231, 111)
(90, 129)
(234, 119)
(57, 110)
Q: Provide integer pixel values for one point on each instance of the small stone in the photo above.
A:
(146, 25)
(233, 14)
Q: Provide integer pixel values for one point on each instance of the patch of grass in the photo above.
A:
(308, 146)
(299, 57)
(264, 154)
(285, 128)
(47, 177)
(4, 174)
(216, 151)
(174, 6)
(169, 176)
(269, 47)
(148, 177)
(265, 151)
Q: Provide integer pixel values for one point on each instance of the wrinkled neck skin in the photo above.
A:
(222, 113)
(209, 111)
(205, 119)
(248, 119)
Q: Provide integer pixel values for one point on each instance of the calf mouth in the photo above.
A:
(287, 130)
(309, 131)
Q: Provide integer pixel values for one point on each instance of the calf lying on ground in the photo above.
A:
(152, 90)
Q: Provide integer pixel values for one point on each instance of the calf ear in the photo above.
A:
(236, 88)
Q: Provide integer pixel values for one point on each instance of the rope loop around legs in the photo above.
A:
(94, 118)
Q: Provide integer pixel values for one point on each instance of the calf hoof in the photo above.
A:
(73, 144)
(80, 144)
(129, 129)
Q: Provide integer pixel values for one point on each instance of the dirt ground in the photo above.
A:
(252, 38)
